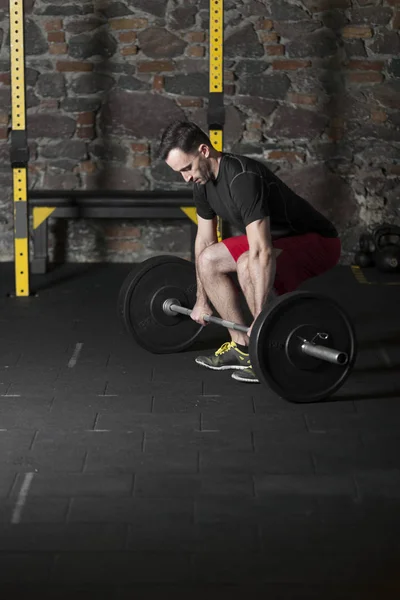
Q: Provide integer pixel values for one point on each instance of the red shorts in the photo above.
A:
(302, 257)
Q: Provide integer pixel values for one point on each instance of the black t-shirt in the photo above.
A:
(245, 190)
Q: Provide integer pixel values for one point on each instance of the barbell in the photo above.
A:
(302, 345)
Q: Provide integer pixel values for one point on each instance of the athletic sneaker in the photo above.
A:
(227, 357)
(246, 375)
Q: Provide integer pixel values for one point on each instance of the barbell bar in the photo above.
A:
(172, 306)
(302, 345)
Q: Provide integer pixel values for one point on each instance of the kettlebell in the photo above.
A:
(387, 259)
(363, 259)
(386, 235)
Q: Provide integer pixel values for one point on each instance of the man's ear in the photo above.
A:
(204, 150)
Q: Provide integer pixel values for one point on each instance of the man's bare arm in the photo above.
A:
(262, 262)
(206, 236)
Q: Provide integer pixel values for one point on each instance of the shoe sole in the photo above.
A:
(223, 368)
(245, 380)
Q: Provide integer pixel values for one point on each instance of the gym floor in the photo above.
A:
(123, 471)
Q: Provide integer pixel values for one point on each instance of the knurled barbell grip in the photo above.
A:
(211, 319)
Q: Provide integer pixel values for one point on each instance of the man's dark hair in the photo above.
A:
(184, 135)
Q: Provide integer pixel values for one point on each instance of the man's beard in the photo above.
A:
(205, 171)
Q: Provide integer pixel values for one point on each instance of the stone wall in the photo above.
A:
(312, 88)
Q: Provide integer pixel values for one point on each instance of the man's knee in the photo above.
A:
(215, 259)
(208, 260)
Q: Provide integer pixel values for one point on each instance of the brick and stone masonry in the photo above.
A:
(312, 88)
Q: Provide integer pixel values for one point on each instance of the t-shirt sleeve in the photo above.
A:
(250, 194)
(203, 207)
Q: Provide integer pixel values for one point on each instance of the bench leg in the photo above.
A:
(39, 261)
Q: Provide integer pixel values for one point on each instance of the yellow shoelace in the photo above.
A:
(225, 347)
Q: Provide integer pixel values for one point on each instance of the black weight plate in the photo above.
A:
(141, 299)
(312, 379)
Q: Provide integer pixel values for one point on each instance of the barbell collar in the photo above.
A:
(323, 353)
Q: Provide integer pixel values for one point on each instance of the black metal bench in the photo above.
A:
(91, 204)
(108, 204)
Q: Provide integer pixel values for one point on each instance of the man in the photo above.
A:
(246, 194)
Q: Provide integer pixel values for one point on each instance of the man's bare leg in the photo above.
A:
(245, 280)
(214, 265)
